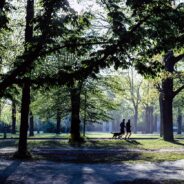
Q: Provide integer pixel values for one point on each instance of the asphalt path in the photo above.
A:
(48, 172)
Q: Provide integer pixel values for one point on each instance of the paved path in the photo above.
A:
(72, 150)
(48, 172)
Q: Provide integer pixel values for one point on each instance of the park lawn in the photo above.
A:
(160, 157)
(136, 144)
(50, 135)
(41, 135)
(114, 144)
(92, 135)
(150, 150)
(95, 135)
(145, 145)
(109, 135)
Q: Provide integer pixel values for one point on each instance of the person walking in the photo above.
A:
(128, 130)
(122, 126)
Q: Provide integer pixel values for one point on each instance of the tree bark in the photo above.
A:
(31, 124)
(58, 126)
(166, 101)
(179, 121)
(85, 113)
(161, 113)
(166, 98)
(149, 119)
(13, 117)
(75, 118)
(22, 146)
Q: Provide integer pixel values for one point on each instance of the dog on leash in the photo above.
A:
(117, 135)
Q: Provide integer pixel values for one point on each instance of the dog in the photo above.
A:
(117, 135)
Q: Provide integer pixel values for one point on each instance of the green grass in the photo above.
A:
(88, 135)
(160, 157)
(139, 144)
(147, 147)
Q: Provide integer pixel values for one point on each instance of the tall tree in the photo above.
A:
(22, 147)
(168, 93)
(133, 87)
(75, 92)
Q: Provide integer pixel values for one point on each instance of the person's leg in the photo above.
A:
(122, 135)
(129, 135)
(126, 135)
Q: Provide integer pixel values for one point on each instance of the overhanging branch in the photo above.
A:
(178, 58)
(178, 91)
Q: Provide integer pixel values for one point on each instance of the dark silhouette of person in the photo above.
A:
(122, 127)
(128, 130)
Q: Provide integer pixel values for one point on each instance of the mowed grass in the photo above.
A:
(150, 149)
(95, 135)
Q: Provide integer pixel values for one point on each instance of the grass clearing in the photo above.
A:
(116, 144)
(150, 150)
(140, 144)
(95, 135)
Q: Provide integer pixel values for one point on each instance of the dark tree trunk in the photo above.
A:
(75, 118)
(179, 121)
(85, 114)
(13, 117)
(161, 113)
(31, 124)
(58, 126)
(166, 98)
(22, 146)
(166, 101)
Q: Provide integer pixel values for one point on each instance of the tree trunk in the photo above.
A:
(31, 124)
(75, 119)
(161, 113)
(58, 126)
(155, 123)
(146, 120)
(166, 101)
(135, 119)
(85, 113)
(149, 119)
(179, 121)
(167, 98)
(13, 117)
(22, 146)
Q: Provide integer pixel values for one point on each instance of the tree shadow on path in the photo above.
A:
(4, 174)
